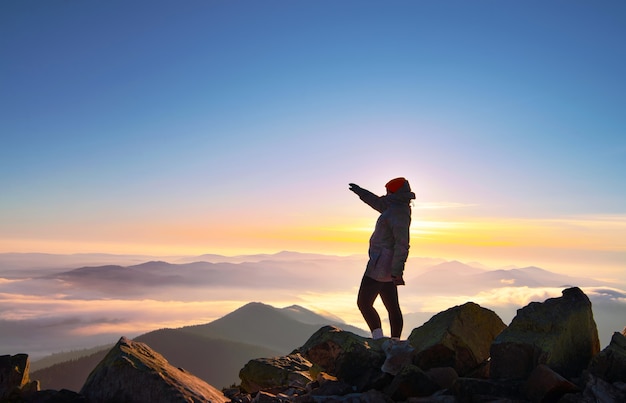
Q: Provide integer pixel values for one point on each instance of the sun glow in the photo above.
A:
(444, 235)
(599, 233)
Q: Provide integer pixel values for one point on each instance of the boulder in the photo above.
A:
(545, 385)
(266, 397)
(332, 388)
(133, 372)
(438, 398)
(276, 374)
(488, 390)
(444, 377)
(14, 374)
(459, 337)
(412, 381)
(351, 358)
(599, 390)
(610, 363)
(398, 355)
(56, 396)
(560, 333)
(370, 396)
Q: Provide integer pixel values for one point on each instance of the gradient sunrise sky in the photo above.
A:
(206, 126)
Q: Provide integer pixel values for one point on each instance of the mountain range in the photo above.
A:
(455, 277)
(54, 303)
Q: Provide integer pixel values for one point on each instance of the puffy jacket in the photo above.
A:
(389, 243)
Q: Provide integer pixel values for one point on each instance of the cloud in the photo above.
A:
(44, 315)
(612, 294)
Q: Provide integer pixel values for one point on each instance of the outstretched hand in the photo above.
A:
(354, 187)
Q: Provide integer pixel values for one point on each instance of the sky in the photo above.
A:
(234, 127)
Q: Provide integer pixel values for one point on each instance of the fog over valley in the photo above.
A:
(54, 303)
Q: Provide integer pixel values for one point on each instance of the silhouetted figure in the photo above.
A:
(388, 251)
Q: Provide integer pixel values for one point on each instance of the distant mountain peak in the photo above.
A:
(296, 308)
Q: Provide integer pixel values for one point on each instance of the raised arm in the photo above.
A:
(378, 203)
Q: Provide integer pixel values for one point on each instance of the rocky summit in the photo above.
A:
(549, 353)
(560, 333)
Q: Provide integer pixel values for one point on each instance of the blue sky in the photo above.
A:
(123, 120)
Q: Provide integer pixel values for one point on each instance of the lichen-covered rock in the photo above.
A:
(133, 372)
(560, 333)
(351, 358)
(14, 373)
(610, 363)
(275, 373)
(459, 337)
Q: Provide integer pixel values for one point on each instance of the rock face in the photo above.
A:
(132, 372)
(545, 385)
(560, 333)
(269, 373)
(14, 374)
(412, 381)
(610, 364)
(459, 337)
(354, 359)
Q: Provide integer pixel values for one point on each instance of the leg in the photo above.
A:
(389, 295)
(368, 292)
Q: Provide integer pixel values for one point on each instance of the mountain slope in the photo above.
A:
(260, 324)
(215, 351)
(216, 361)
(69, 375)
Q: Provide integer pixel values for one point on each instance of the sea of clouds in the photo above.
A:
(54, 303)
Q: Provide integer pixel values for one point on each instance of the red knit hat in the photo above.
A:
(395, 184)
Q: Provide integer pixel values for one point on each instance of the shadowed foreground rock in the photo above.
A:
(352, 358)
(558, 339)
(560, 333)
(268, 373)
(132, 372)
(14, 375)
(459, 337)
(610, 364)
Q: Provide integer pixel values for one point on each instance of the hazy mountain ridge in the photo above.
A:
(474, 279)
(64, 262)
(265, 272)
(196, 274)
(69, 374)
(65, 356)
(215, 351)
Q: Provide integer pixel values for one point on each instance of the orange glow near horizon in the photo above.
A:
(590, 233)
(510, 241)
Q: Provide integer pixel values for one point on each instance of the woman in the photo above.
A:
(388, 252)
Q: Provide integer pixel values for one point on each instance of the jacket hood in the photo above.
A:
(404, 195)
